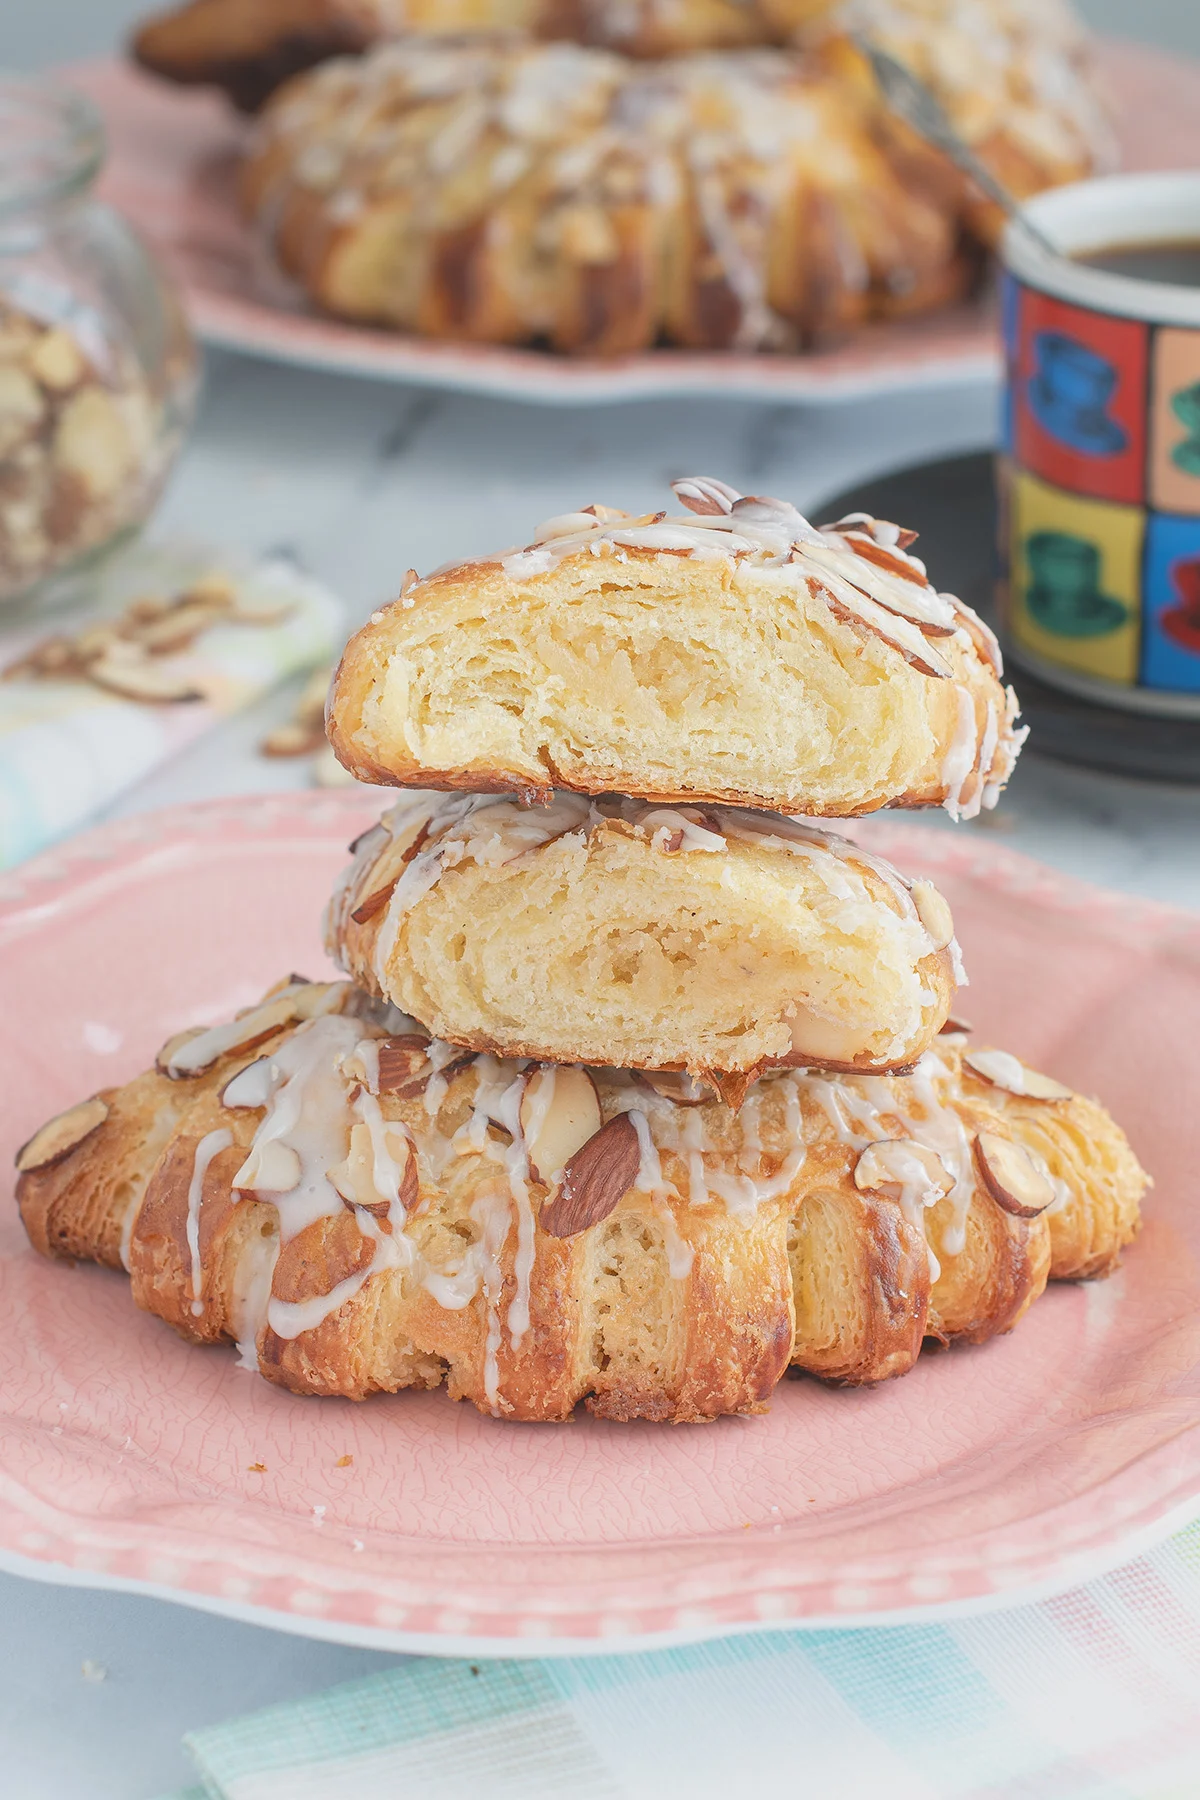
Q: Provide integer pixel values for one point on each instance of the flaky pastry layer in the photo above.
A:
(610, 932)
(362, 1209)
(732, 654)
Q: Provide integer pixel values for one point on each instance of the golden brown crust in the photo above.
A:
(594, 935)
(246, 47)
(682, 1304)
(729, 640)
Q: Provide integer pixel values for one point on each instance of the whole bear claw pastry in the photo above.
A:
(731, 653)
(360, 1208)
(614, 932)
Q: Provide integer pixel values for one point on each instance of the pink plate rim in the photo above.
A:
(158, 135)
(570, 1598)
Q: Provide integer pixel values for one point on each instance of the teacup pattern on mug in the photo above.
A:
(1101, 500)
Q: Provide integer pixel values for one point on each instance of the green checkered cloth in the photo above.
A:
(1094, 1694)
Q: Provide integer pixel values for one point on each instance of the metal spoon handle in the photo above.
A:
(909, 97)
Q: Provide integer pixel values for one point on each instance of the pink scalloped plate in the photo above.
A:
(172, 170)
(130, 1458)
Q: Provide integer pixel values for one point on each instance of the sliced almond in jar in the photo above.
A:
(59, 1136)
(272, 1167)
(933, 910)
(1012, 1177)
(595, 1181)
(1002, 1070)
(559, 1113)
(57, 361)
(676, 1085)
(893, 1164)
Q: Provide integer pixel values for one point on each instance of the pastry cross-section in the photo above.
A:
(361, 1208)
(708, 939)
(732, 653)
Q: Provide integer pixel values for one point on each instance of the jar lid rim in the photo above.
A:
(52, 142)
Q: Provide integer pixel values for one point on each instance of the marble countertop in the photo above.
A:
(358, 482)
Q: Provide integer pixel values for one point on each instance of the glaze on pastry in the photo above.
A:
(362, 1209)
(612, 932)
(731, 653)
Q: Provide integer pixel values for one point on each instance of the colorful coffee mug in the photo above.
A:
(1099, 471)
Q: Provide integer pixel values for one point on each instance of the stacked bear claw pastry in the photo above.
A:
(643, 1087)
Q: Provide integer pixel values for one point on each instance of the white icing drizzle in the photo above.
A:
(127, 1228)
(251, 1295)
(960, 759)
(210, 1145)
(207, 1047)
(441, 1055)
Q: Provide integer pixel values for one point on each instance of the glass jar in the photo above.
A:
(97, 365)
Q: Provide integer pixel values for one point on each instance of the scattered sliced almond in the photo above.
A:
(934, 913)
(177, 628)
(134, 681)
(1012, 1176)
(1002, 1070)
(292, 739)
(895, 1163)
(676, 1085)
(956, 1024)
(595, 1180)
(271, 1167)
(561, 1109)
(60, 1135)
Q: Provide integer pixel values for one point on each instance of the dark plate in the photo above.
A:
(952, 504)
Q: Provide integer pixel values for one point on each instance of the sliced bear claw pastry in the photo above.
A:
(361, 1208)
(733, 653)
(609, 931)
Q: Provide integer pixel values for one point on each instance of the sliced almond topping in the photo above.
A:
(676, 1085)
(386, 872)
(934, 913)
(355, 1178)
(194, 1052)
(955, 1023)
(404, 1066)
(595, 1180)
(271, 1167)
(702, 494)
(896, 1163)
(559, 1113)
(173, 1044)
(60, 1135)
(1008, 1072)
(854, 608)
(1012, 1176)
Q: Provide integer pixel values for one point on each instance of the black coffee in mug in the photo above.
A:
(1176, 261)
